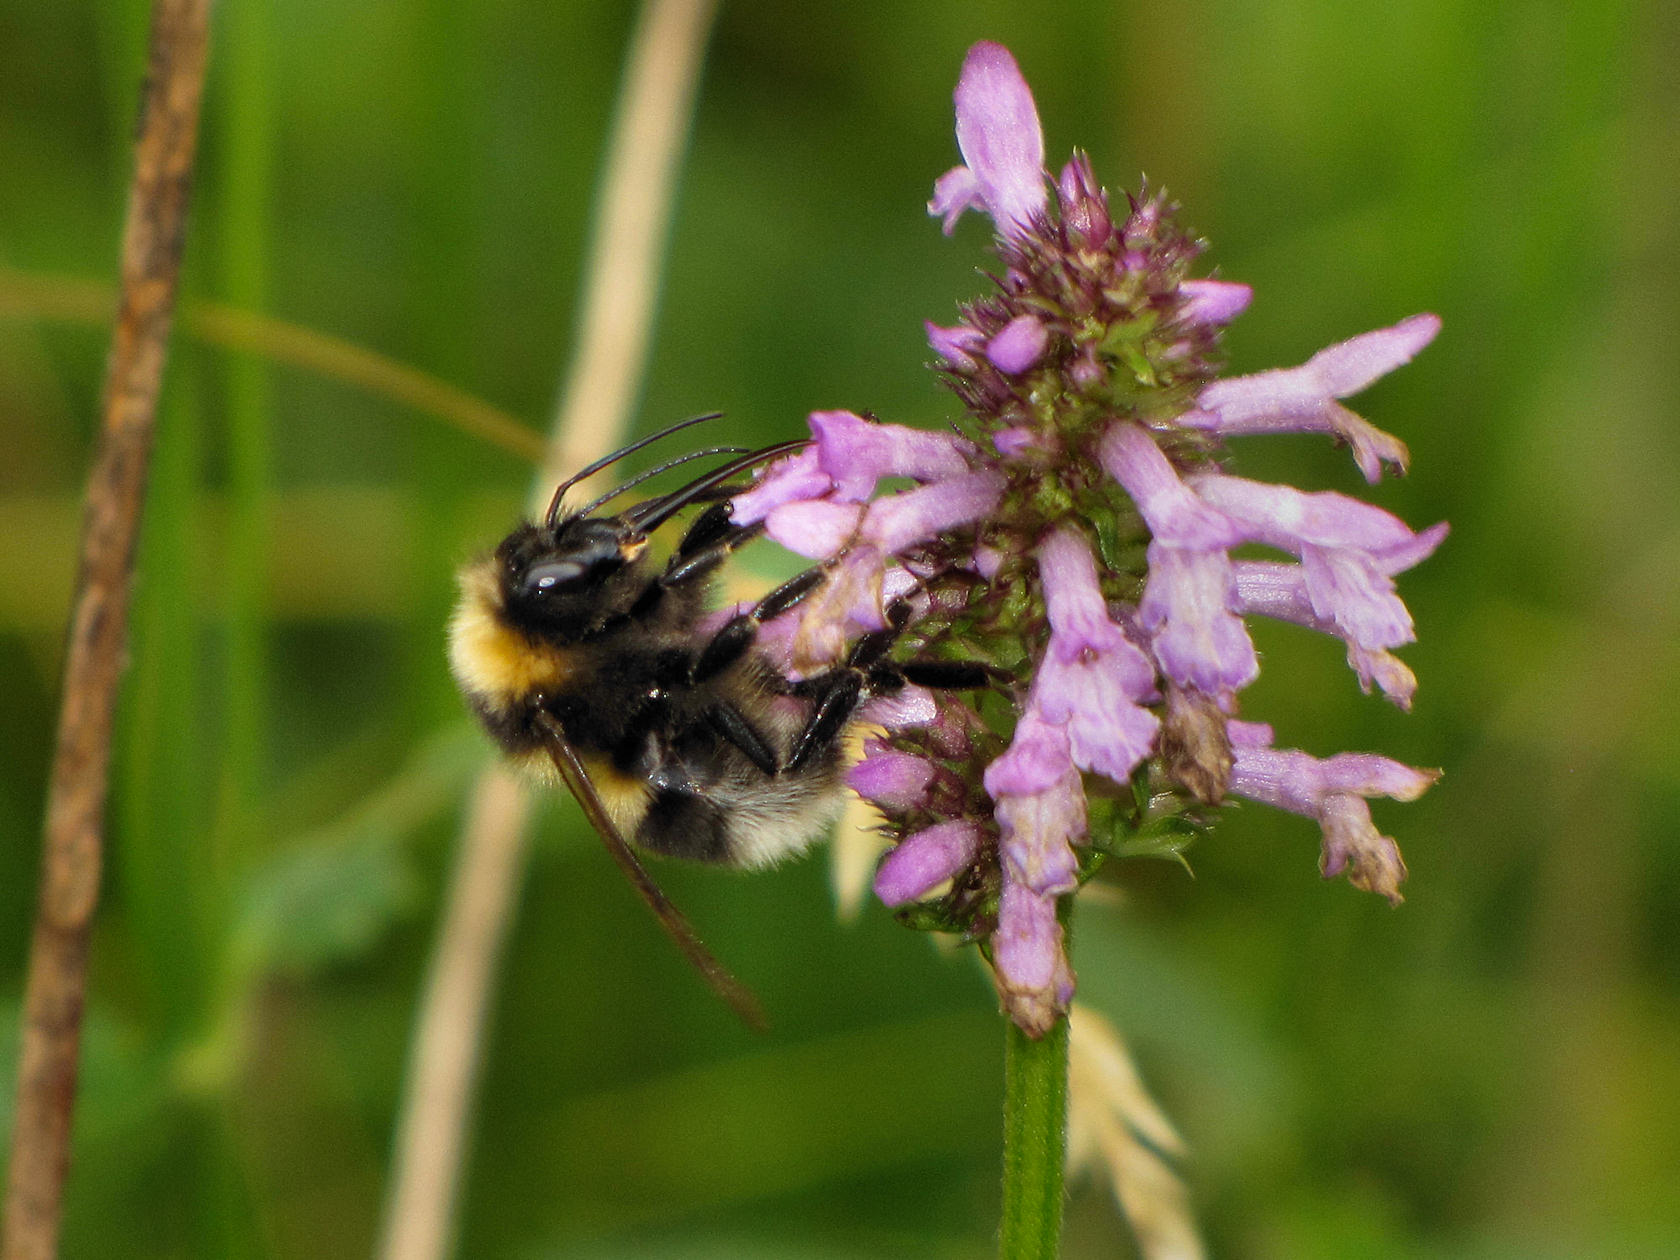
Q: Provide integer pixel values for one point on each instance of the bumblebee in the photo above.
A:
(584, 655)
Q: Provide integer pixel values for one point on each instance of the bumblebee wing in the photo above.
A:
(675, 923)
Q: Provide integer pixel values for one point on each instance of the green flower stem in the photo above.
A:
(1035, 1077)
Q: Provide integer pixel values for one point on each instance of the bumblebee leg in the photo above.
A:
(707, 544)
(710, 540)
(870, 650)
(576, 776)
(836, 700)
(736, 635)
(726, 720)
(712, 528)
(949, 675)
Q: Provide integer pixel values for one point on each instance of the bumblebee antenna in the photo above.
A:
(649, 516)
(654, 472)
(676, 924)
(589, 470)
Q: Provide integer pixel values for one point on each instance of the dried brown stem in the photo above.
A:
(55, 991)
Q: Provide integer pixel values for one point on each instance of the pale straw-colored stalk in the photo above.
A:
(629, 235)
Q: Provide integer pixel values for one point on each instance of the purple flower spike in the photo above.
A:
(1092, 678)
(1333, 791)
(1303, 399)
(1002, 146)
(925, 859)
(1063, 565)
(1033, 976)
(1019, 346)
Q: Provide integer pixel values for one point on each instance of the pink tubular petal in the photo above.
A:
(849, 601)
(925, 859)
(1274, 589)
(1037, 847)
(1332, 791)
(1033, 976)
(1413, 551)
(901, 520)
(1019, 345)
(1249, 734)
(1000, 138)
(856, 453)
(1286, 518)
(1188, 607)
(1390, 674)
(1349, 551)
(1109, 732)
(1303, 399)
(1373, 450)
(898, 582)
(1352, 365)
(815, 528)
(1352, 844)
(893, 780)
(1367, 774)
(911, 706)
(1174, 513)
(1092, 676)
(953, 344)
(1073, 600)
(789, 480)
(851, 598)
(1300, 783)
(955, 191)
(1037, 760)
(1213, 301)
(1280, 591)
(1350, 592)
(1039, 803)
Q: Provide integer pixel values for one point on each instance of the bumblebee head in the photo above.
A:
(565, 579)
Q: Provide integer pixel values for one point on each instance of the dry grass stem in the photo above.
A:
(33, 296)
(631, 219)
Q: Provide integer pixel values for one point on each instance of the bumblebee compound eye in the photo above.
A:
(540, 579)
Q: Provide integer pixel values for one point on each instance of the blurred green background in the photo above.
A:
(1490, 1070)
